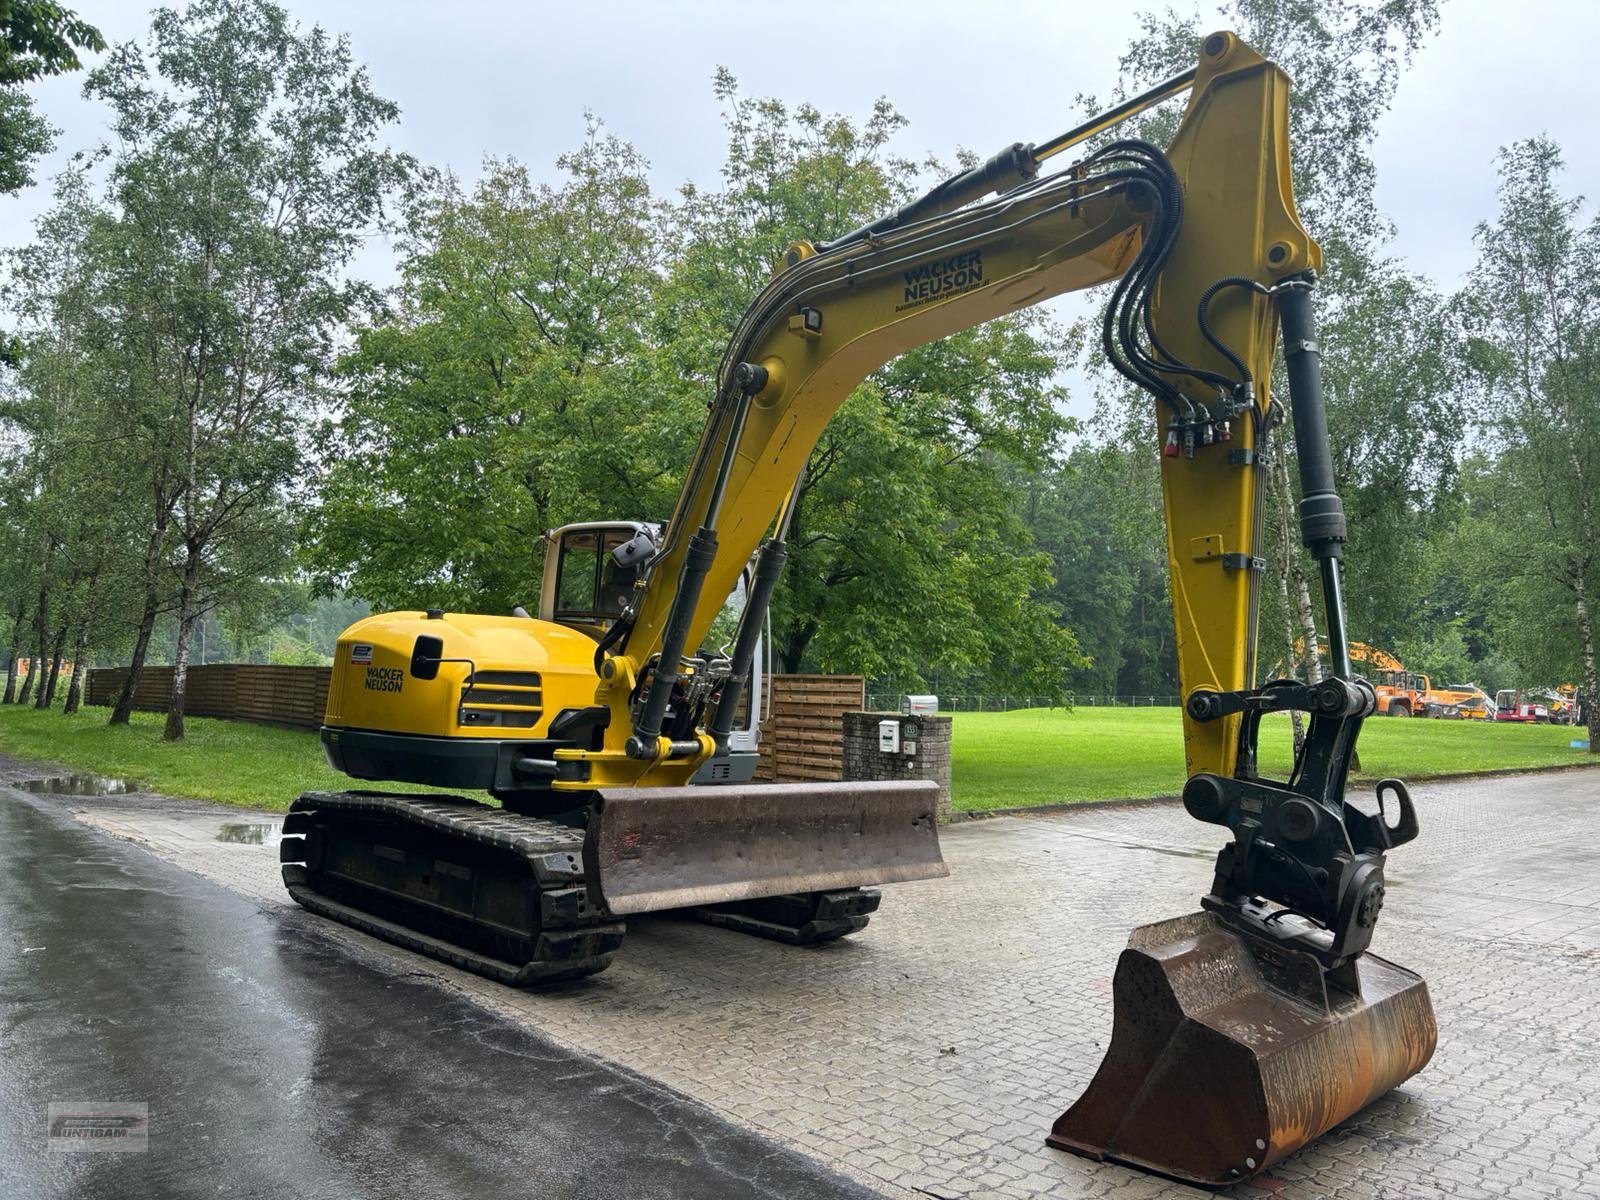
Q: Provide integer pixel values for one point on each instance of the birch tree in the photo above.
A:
(1533, 314)
(249, 170)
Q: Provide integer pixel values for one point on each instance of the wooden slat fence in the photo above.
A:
(804, 736)
(802, 739)
(267, 695)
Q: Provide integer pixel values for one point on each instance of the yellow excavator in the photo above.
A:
(616, 732)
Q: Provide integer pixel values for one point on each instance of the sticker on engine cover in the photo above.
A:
(360, 654)
(384, 679)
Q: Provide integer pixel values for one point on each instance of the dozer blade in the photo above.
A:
(1228, 1053)
(689, 847)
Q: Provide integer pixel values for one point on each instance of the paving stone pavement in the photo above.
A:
(929, 1055)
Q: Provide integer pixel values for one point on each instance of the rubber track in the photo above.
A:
(576, 947)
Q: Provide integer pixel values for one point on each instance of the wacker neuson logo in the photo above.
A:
(384, 679)
(940, 277)
(92, 1127)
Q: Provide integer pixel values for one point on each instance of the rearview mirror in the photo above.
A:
(425, 656)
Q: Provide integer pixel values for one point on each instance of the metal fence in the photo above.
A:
(890, 702)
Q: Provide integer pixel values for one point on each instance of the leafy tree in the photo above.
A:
(37, 38)
(548, 356)
(248, 170)
(1532, 313)
(69, 511)
(1109, 565)
(1396, 426)
(510, 387)
(907, 551)
(1346, 58)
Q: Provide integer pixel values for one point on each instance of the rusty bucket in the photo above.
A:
(660, 848)
(1228, 1053)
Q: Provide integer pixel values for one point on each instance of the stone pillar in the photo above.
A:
(930, 760)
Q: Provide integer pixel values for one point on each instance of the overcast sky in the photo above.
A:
(477, 77)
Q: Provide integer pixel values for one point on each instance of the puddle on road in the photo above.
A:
(255, 833)
(79, 785)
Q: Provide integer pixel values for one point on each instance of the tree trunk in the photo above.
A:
(80, 669)
(792, 649)
(1591, 676)
(40, 649)
(32, 677)
(141, 647)
(180, 658)
(11, 659)
(56, 653)
(147, 623)
(80, 648)
(1284, 569)
(1302, 590)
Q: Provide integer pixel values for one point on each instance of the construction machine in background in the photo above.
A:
(1403, 693)
(608, 726)
(1512, 708)
(1467, 700)
(1564, 705)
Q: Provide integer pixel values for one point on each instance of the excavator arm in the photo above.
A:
(1208, 256)
(1210, 220)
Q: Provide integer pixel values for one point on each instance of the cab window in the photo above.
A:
(590, 586)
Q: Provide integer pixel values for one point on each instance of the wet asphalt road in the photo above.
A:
(276, 1063)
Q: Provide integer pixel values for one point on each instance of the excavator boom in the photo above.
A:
(1216, 207)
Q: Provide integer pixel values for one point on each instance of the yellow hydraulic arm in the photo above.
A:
(1223, 210)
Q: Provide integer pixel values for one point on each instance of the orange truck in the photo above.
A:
(1403, 693)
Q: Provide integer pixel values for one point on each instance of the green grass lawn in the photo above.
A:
(1052, 756)
(230, 761)
(1001, 760)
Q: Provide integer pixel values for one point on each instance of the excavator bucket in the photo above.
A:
(1228, 1053)
(692, 847)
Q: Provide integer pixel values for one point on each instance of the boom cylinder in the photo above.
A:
(698, 558)
(769, 567)
(1322, 523)
(702, 552)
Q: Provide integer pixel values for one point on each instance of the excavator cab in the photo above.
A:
(592, 572)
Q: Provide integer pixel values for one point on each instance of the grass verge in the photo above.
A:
(254, 766)
(1052, 756)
